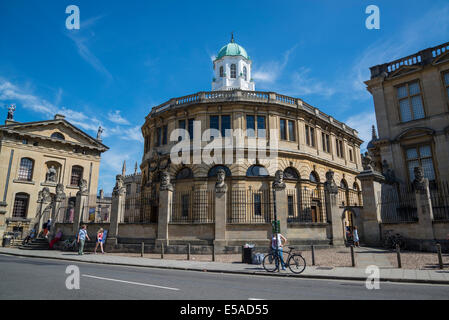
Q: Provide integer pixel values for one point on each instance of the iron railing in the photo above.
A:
(398, 204)
(439, 195)
(250, 206)
(193, 206)
(306, 206)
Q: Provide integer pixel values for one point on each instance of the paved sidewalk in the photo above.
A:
(387, 273)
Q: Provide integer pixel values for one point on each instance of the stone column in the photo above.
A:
(82, 198)
(165, 207)
(280, 195)
(117, 208)
(424, 209)
(221, 194)
(59, 199)
(335, 231)
(372, 184)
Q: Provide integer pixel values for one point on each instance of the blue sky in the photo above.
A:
(129, 56)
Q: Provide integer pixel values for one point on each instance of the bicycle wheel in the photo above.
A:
(271, 262)
(297, 263)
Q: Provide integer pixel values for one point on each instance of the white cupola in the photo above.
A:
(232, 69)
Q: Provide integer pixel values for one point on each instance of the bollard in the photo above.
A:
(398, 254)
(352, 256)
(143, 249)
(213, 253)
(243, 254)
(162, 251)
(440, 257)
(188, 251)
(313, 255)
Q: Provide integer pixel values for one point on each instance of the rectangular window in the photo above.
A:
(185, 205)
(261, 127)
(446, 83)
(138, 188)
(420, 156)
(158, 137)
(351, 158)
(225, 124)
(310, 136)
(257, 204)
(181, 125)
(283, 128)
(410, 102)
(325, 140)
(339, 145)
(291, 208)
(250, 126)
(20, 206)
(164, 134)
(191, 128)
(214, 122)
(291, 131)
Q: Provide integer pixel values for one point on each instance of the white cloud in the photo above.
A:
(269, 72)
(115, 117)
(363, 123)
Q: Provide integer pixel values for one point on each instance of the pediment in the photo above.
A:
(415, 132)
(403, 70)
(64, 130)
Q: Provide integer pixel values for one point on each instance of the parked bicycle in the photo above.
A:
(69, 245)
(294, 261)
(392, 239)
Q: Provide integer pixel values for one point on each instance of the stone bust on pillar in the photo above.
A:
(330, 185)
(165, 182)
(82, 186)
(367, 162)
(119, 188)
(279, 183)
(60, 195)
(220, 185)
(420, 184)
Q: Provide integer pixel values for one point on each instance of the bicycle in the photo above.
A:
(391, 240)
(69, 245)
(295, 261)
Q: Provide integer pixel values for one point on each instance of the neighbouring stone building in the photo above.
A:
(41, 161)
(411, 100)
(181, 201)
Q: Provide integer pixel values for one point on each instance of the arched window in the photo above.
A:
(245, 73)
(314, 177)
(58, 136)
(77, 175)
(21, 205)
(213, 171)
(221, 72)
(343, 184)
(257, 171)
(233, 71)
(26, 169)
(291, 174)
(184, 173)
(355, 186)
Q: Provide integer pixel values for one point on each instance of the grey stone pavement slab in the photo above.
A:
(387, 272)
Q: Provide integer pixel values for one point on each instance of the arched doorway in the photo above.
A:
(349, 223)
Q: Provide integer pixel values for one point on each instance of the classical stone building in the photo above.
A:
(182, 198)
(40, 160)
(411, 99)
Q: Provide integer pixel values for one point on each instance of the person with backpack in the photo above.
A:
(82, 235)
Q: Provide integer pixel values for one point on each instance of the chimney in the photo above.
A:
(59, 117)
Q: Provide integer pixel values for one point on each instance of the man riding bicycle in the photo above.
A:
(277, 243)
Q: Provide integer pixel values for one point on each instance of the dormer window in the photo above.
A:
(233, 71)
(221, 72)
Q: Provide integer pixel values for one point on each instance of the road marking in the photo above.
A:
(130, 282)
(255, 299)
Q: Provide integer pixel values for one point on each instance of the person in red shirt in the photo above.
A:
(99, 241)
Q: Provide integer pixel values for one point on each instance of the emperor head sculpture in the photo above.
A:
(165, 182)
(220, 185)
(279, 183)
(420, 184)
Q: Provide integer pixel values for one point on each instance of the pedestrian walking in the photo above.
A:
(100, 234)
(355, 235)
(82, 235)
(277, 242)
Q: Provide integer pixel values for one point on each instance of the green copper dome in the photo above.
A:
(232, 49)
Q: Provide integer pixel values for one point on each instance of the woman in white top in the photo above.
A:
(280, 240)
(355, 235)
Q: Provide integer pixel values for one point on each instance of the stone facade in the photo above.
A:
(43, 154)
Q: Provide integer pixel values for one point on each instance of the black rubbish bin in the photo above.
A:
(6, 242)
(247, 255)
